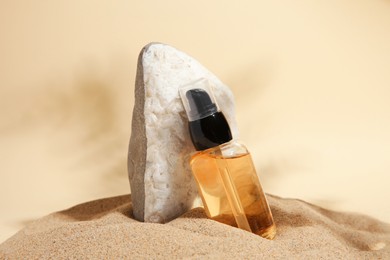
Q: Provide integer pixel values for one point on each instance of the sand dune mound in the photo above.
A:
(106, 229)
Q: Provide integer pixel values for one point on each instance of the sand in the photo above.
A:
(105, 229)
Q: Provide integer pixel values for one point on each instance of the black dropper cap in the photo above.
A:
(208, 126)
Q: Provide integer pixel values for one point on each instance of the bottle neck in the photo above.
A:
(210, 131)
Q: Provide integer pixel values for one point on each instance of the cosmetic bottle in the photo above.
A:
(223, 169)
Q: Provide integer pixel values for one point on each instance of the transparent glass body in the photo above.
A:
(230, 189)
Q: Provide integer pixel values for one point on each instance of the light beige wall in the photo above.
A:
(311, 80)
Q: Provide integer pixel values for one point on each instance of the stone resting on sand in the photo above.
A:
(161, 183)
(106, 229)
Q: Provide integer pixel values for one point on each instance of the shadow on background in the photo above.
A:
(78, 122)
(88, 115)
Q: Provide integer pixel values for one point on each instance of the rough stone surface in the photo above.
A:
(161, 183)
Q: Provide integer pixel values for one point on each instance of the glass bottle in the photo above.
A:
(226, 177)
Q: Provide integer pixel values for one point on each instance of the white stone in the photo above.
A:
(162, 186)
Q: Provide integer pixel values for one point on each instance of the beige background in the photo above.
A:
(311, 80)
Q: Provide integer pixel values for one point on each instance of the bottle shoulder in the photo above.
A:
(233, 148)
(226, 150)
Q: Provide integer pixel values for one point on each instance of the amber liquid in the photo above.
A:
(226, 182)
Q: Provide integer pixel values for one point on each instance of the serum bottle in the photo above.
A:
(223, 168)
